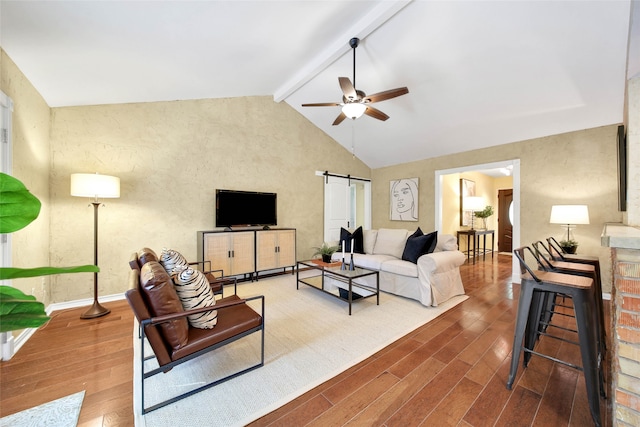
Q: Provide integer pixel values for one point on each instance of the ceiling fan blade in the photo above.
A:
(347, 88)
(387, 94)
(322, 104)
(375, 113)
(339, 119)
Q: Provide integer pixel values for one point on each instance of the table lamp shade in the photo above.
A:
(473, 203)
(95, 185)
(569, 214)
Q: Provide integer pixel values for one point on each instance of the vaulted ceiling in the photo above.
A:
(479, 73)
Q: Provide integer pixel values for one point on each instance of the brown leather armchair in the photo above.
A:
(163, 323)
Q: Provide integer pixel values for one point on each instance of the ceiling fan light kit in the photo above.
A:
(355, 102)
(354, 110)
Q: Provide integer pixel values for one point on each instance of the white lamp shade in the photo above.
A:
(354, 110)
(569, 214)
(95, 185)
(473, 203)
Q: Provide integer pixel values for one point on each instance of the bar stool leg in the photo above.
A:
(588, 338)
(532, 330)
(524, 304)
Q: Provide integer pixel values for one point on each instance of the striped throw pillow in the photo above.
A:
(172, 261)
(194, 291)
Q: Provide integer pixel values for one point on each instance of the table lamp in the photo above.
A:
(569, 216)
(95, 186)
(473, 204)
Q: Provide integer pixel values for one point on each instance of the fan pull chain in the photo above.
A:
(353, 139)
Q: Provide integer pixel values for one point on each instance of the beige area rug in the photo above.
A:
(63, 412)
(309, 338)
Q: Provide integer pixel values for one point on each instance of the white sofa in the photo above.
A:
(434, 279)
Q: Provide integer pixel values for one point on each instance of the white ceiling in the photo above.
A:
(479, 73)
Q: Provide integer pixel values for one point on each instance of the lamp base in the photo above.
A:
(96, 310)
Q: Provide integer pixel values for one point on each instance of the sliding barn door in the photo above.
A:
(337, 207)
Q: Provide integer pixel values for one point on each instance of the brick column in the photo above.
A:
(626, 336)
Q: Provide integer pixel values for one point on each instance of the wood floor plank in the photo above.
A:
(343, 412)
(390, 402)
(489, 405)
(368, 372)
(521, 408)
(423, 402)
(453, 407)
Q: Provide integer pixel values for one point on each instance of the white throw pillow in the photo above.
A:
(369, 240)
(172, 261)
(194, 291)
(446, 242)
(390, 242)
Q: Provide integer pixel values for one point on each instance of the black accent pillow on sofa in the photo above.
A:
(357, 238)
(419, 244)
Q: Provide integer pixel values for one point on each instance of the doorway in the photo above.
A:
(515, 167)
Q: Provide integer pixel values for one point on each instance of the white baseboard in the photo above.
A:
(27, 333)
(81, 303)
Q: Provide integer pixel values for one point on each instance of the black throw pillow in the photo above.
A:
(356, 238)
(419, 244)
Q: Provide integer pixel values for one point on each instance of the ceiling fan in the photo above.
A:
(355, 102)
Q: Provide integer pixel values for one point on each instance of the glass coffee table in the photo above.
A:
(330, 277)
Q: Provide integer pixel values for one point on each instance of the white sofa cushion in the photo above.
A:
(398, 266)
(372, 262)
(446, 242)
(369, 239)
(390, 242)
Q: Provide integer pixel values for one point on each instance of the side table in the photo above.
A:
(473, 242)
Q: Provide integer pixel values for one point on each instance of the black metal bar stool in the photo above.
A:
(555, 252)
(546, 262)
(534, 287)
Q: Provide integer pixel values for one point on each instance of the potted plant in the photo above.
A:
(484, 214)
(568, 246)
(326, 251)
(18, 208)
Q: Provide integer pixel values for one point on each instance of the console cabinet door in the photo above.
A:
(266, 250)
(233, 253)
(243, 253)
(286, 248)
(217, 247)
(275, 249)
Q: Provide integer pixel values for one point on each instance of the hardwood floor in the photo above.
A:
(68, 355)
(451, 371)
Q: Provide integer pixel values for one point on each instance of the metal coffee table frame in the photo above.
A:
(333, 271)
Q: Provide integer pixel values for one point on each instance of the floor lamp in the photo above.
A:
(95, 186)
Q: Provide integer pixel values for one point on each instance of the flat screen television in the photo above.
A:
(246, 208)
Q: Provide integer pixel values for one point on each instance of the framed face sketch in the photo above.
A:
(403, 199)
(467, 188)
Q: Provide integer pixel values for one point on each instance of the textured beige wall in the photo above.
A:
(171, 157)
(572, 168)
(31, 160)
(632, 216)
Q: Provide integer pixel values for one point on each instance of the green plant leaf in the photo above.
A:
(19, 311)
(18, 207)
(7, 273)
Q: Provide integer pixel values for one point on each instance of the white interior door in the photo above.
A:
(337, 207)
(347, 203)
